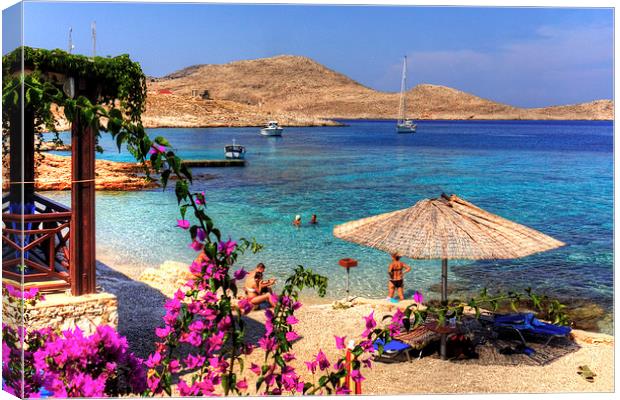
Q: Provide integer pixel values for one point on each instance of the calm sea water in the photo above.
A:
(556, 177)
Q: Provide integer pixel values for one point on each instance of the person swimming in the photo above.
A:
(297, 221)
(396, 273)
(313, 220)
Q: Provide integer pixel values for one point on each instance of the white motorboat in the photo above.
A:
(272, 129)
(234, 151)
(404, 125)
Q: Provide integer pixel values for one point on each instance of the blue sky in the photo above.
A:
(520, 56)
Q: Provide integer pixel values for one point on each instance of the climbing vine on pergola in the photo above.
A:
(95, 95)
(105, 93)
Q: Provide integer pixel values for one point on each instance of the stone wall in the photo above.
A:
(64, 311)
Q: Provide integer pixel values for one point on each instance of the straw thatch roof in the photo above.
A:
(446, 227)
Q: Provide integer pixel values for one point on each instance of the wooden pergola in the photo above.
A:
(44, 243)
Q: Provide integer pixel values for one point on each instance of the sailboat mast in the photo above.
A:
(403, 89)
(93, 29)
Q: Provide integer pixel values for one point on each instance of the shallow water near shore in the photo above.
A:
(554, 176)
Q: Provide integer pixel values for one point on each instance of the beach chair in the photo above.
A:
(393, 351)
(402, 345)
(528, 324)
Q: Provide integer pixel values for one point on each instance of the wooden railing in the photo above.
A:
(35, 246)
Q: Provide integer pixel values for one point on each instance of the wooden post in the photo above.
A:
(82, 247)
(21, 167)
(347, 378)
(444, 301)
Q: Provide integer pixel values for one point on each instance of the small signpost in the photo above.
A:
(348, 263)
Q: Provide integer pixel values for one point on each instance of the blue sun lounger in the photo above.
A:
(392, 351)
(527, 323)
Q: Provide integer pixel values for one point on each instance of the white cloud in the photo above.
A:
(558, 66)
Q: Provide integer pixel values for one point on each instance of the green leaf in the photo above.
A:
(162, 140)
(164, 178)
(181, 191)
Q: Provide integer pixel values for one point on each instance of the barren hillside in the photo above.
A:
(301, 86)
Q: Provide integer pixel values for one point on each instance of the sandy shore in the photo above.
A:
(141, 302)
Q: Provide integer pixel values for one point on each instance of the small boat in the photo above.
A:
(272, 129)
(234, 151)
(404, 125)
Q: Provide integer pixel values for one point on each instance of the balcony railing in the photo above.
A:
(35, 243)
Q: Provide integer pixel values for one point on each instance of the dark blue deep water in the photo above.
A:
(556, 177)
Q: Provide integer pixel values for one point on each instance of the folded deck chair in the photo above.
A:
(393, 351)
(527, 323)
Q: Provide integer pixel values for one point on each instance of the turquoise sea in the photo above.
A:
(556, 177)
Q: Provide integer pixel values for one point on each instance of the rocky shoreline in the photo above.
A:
(53, 172)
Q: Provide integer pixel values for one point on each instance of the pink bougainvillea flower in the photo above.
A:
(197, 326)
(418, 298)
(157, 148)
(240, 274)
(227, 247)
(163, 332)
(343, 390)
(366, 345)
(291, 320)
(200, 198)
(311, 365)
(242, 385)
(398, 317)
(184, 389)
(183, 223)
(370, 324)
(201, 235)
(357, 376)
(13, 291)
(192, 361)
(31, 293)
(291, 336)
(193, 338)
(197, 246)
(267, 344)
(288, 357)
(394, 329)
(153, 360)
(367, 363)
(340, 342)
(255, 368)
(174, 366)
(322, 360)
(196, 268)
(245, 306)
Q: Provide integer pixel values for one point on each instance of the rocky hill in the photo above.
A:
(301, 89)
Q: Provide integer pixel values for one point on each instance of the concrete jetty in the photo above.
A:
(213, 163)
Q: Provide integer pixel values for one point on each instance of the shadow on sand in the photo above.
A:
(141, 308)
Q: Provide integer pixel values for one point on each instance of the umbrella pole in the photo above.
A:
(444, 281)
(444, 301)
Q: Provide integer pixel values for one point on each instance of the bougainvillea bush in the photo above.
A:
(43, 362)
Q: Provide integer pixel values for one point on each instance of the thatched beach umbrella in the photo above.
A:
(447, 227)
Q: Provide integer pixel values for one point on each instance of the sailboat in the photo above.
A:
(404, 125)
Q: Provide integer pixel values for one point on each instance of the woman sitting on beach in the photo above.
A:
(396, 274)
(257, 290)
